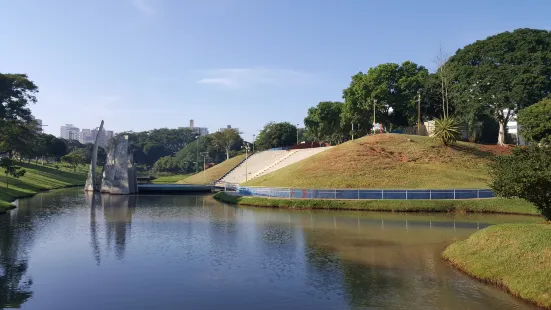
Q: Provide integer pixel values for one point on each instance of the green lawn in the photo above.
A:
(389, 161)
(214, 172)
(515, 257)
(169, 179)
(494, 205)
(39, 178)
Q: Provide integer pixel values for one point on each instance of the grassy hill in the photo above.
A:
(389, 161)
(38, 178)
(214, 172)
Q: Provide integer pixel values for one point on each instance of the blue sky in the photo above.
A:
(144, 64)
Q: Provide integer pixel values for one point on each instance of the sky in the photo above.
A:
(145, 64)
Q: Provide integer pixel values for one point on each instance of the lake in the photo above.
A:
(67, 249)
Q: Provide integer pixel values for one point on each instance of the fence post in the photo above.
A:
(454, 194)
(477, 193)
(335, 194)
(406, 194)
(289, 193)
(430, 194)
(382, 194)
(358, 194)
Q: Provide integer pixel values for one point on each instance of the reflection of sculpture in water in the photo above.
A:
(117, 210)
(91, 201)
(14, 286)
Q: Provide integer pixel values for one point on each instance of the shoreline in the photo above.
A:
(491, 256)
(488, 206)
(6, 206)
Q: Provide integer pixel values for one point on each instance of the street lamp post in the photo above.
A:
(419, 112)
(205, 155)
(254, 139)
(246, 147)
(297, 133)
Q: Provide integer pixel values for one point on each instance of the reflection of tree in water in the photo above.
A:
(14, 236)
(118, 210)
(364, 285)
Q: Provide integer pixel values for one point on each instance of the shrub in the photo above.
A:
(446, 130)
(535, 122)
(525, 174)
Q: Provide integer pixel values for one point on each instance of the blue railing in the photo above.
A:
(378, 194)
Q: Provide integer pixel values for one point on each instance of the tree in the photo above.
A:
(390, 91)
(10, 169)
(226, 140)
(324, 122)
(57, 147)
(166, 164)
(535, 122)
(17, 137)
(505, 72)
(525, 174)
(75, 158)
(276, 135)
(16, 93)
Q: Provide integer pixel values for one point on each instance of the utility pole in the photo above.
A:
(197, 158)
(246, 147)
(297, 133)
(352, 130)
(204, 166)
(419, 112)
(374, 110)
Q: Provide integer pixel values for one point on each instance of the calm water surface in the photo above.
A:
(68, 250)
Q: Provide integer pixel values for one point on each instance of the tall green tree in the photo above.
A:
(505, 72)
(535, 122)
(226, 140)
(276, 135)
(17, 92)
(324, 122)
(390, 91)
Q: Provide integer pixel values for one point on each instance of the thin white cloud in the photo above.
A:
(246, 77)
(144, 6)
(216, 81)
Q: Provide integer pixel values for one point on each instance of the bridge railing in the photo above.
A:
(374, 194)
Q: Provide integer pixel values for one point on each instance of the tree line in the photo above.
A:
(482, 86)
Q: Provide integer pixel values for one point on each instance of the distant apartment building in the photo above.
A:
(89, 136)
(202, 131)
(38, 123)
(86, 136)
(69, 132)
(228, 128)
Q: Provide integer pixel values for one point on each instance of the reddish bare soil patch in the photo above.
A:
(495, 149)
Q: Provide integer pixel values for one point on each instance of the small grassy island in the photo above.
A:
(515, 257)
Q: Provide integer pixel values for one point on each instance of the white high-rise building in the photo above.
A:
(69, 132)
(228, 127)
(202, 131)
(89, 136)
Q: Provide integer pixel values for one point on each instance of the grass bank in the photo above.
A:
(170, 179)
(495, 205)
(36, 179)
(213, 173)
(389, 161)
(515, 257)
